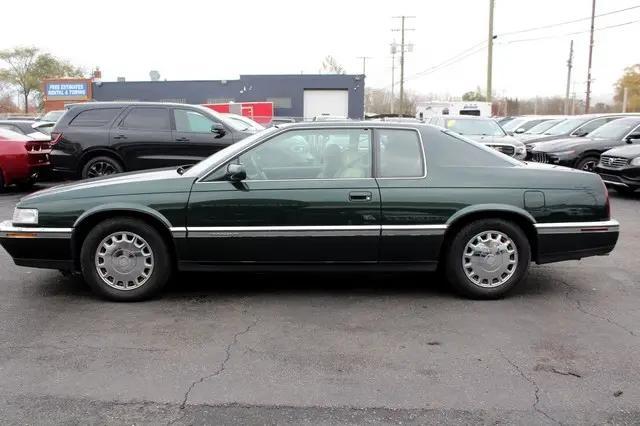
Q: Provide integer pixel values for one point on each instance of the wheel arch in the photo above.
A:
(514, 214)
(92, 217)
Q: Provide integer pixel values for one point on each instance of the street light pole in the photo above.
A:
(587, 103)
(490, 51)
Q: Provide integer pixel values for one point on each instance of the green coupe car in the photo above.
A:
(350, 195)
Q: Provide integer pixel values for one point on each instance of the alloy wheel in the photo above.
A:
(101, 168)
(124, 260)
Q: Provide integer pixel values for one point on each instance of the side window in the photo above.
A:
(592, 125)
(147, 119)
(400, 154)
(95, 117)
(311, 154)
(192, 121)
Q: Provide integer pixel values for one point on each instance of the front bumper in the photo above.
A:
(48, 248)
(626, 176)
(575, 240)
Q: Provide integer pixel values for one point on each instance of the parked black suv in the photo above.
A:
(620, 167)
(101, 138)
(584, 152)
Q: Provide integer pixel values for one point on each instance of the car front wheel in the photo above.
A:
(125, 260)
(487, 258)
(101, 166)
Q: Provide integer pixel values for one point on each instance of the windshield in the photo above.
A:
(538, 129)
(474, 127)
(244, 122)
(514, 124)
(485, 148)
(228, 152)
(615, 129)
(567, 126)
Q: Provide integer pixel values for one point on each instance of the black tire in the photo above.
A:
(455, 271)
(2, 187)
(162, 262)
(587, 163)
(101, 166)
(624, 189)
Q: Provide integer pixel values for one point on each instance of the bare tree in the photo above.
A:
(331, 66)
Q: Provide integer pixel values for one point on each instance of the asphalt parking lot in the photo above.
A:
(327, 348)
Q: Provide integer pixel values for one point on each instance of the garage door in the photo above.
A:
(326, 102)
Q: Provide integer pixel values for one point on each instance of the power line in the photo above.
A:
(568, 22)
(570, 34)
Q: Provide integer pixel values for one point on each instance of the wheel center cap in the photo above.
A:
(491, 259)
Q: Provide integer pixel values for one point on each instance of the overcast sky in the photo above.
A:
(194, 39)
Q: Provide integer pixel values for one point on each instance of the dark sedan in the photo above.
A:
(620, 168)
(584, 152)
(350, 195)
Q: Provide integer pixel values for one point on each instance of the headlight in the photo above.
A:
(25, 216)
(521, 152)
(635, 161)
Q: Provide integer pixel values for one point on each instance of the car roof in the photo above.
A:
(21, 121)
(466, 117)
(128, 103)
(356, 124)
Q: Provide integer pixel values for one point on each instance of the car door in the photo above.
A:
(411, 232)
(143, 137)
(309, 197)
(193, 138)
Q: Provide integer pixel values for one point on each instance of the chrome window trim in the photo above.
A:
(577, 227)
(8, 230)
(214, 168)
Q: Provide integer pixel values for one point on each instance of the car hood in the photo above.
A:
(494, 139)
(627, 151)
(543, 138)
(569, 143)
(147, 182)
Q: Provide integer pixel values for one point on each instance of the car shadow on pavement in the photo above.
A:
(204, 286)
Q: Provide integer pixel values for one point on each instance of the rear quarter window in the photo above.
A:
(95, 117)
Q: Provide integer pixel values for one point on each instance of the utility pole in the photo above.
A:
(625, 98)
(490, 51)
(587, 103)
(364, 63)
(569, 66)
(402, 49)
(394, 49)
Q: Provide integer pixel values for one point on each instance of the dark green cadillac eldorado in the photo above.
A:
(320, 195)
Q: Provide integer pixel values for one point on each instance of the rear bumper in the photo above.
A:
(575, 240)
(48, 248)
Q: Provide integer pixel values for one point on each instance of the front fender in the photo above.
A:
(123, 207)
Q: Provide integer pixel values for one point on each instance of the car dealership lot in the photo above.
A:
(327, 348)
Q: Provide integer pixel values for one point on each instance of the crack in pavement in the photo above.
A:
(581, 308)
(535, 386)
(223, 364)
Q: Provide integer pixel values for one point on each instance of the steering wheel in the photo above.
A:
(257, 168)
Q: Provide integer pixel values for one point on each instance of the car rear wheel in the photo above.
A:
(125, 260)
(588, 164)
(487, 258)
(101, 166)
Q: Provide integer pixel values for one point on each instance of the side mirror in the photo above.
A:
(520, 130)
(633, 137)
(236, 172)
(218, 130)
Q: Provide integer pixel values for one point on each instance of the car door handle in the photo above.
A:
(182, 139)
(360, 196)
(120, 137)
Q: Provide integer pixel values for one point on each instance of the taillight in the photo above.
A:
(55, 138)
